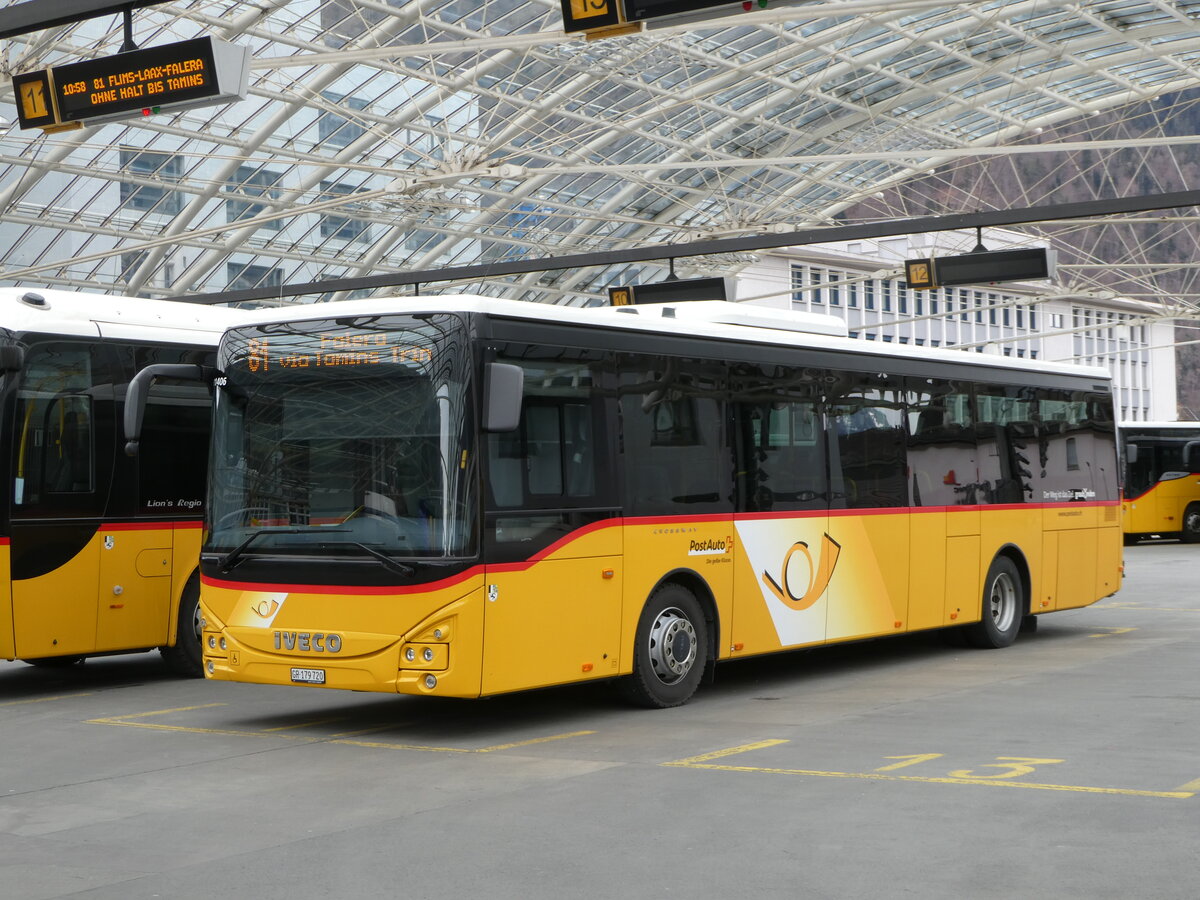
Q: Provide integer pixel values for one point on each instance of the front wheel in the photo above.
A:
(1003, 607)
(1191, 524)
(185, 658)
(670, 650)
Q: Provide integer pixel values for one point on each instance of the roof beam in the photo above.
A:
(38, 15)
(955, 222)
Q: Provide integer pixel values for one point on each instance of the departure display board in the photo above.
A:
(171, 77)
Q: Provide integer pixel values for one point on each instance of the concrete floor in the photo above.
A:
(1065, 766)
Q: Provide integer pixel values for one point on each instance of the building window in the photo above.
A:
(243, 276)
(814, 281)
(835, 288)
(154, 167)
(334, 130)
(797, 284)
(340, 226)
(252, 181)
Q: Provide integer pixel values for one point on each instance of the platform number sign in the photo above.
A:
(585, 15)
(35, 99)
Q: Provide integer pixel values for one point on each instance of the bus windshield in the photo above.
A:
(344, 438)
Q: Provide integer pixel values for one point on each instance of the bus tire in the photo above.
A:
(185, 657)
(1003, 607)
(1191, 524)
(670, 650)
(1131, 539)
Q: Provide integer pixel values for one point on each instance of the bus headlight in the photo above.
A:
(410, 654)
(430, 681)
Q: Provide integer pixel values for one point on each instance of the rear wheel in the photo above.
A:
(1191, 524)
(670, 650)
(1003, 607)
(185, 658)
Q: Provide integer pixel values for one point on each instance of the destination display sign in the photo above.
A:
(334, 350)
(200, 72)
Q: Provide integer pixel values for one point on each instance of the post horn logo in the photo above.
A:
(265, 608)
(819, 574)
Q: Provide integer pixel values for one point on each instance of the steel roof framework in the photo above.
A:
(474, 131)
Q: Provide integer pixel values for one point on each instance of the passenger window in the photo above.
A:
(676, 449)
(55, 423)
(941, 444)
(867, 413)
(781, 445)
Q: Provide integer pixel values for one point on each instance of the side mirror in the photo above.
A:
(1191, 456)
(139, 388)
(12, 358)
(502, 387)
(1131, 453)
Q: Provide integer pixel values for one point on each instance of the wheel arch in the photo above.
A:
(700, 589)
(1017, 557)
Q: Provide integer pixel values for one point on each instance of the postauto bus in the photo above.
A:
(464, 496)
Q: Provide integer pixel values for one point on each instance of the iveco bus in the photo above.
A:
(464, 496)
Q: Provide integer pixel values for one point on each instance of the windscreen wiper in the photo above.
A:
(393, 564)
(226, 562)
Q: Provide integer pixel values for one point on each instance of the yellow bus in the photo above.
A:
(1162, 480)
(465, 496)
(99, 552)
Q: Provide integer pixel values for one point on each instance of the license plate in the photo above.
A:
(309, 676)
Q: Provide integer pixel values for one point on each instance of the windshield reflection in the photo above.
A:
(344, 440)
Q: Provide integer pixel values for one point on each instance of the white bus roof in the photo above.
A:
(104, 315)
(716, 319)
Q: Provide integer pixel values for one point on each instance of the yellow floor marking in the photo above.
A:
(120, 720)
(46, 699)
(1190, 786)
(1140, 608)
(306, 724)
(335, 739)
(695, 762)
(541, 740)
(1111, 632)
(717, 754)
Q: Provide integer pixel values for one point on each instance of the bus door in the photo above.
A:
(869, 512)
(552, 536)
(61, 463)
(785, 554)
(945, 491)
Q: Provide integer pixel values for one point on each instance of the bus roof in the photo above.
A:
(713, 319)
(105, 315)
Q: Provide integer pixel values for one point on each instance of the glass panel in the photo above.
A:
(345, 438)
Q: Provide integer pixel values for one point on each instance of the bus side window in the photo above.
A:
(868, 427)
(676, 450)
(550, 460)
(55, 461)
(941, 443)
(69, 465)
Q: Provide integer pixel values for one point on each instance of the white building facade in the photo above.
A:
(863, 283)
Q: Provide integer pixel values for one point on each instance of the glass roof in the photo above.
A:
(385, 137)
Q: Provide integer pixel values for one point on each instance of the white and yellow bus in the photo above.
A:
(99, 552)
(1161, 487)
(464, 496)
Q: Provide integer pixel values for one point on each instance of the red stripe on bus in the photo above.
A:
(355, 590)
(150, 526)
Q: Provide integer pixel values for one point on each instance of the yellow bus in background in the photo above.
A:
(99, 552)
(1161, 480)
(465, 496)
